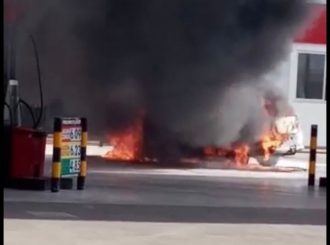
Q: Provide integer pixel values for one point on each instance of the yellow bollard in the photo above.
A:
(312, 156)
(56, 166)
(83, 155)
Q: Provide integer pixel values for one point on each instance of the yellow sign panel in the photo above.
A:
(70, 150)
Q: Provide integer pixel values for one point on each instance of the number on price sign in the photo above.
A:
(74, 165)
(70, 167)
(71, 147)
(75, 150)
(75, 134)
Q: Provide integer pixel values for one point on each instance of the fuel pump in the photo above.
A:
(24, 144)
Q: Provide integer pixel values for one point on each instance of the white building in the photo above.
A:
(303, 75)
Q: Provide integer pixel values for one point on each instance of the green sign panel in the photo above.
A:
(70, 166)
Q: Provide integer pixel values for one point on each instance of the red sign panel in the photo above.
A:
(316, 31)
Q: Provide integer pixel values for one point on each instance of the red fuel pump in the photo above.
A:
(24, 145)
(27, 153)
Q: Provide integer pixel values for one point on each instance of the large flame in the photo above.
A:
(239, 154)
(269, 141)
(127, 144)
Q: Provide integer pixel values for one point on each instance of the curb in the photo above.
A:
(319, 151)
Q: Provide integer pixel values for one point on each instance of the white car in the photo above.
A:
(287, 126)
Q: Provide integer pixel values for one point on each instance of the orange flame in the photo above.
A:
(127, 143)
(268, 143)
(270, 139)
(239, 154)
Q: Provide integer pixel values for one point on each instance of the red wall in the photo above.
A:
(315, 32)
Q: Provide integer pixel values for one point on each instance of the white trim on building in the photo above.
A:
(317, 1)
(309, 111)
(309, 49)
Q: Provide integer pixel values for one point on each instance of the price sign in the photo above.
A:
(71, 147)
(70, 167)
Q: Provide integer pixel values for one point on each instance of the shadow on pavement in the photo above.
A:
(157, 213)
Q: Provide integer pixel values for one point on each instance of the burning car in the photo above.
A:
(285, 138)
(279, 134)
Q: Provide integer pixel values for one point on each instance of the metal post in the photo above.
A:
(323, 182)
(12, 99)
(312, 156)
(56, 167)
(83, 155)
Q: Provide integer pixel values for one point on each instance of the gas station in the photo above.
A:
(25, 130)
(55, 173)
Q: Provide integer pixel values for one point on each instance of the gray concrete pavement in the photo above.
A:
(179, 190)
(125, 204)
(41, 232)
(117, 184)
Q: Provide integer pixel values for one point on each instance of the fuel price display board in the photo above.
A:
(71, 147)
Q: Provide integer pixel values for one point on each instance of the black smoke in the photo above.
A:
(194, 67)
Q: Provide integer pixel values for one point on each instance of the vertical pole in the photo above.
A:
(312, 156)
(83, 155)
(12, 99)
(56, 167)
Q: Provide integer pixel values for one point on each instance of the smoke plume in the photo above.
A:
(193, 67)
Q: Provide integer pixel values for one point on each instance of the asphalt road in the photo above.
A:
(158, 213)
(132, 192)
(176, 204)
